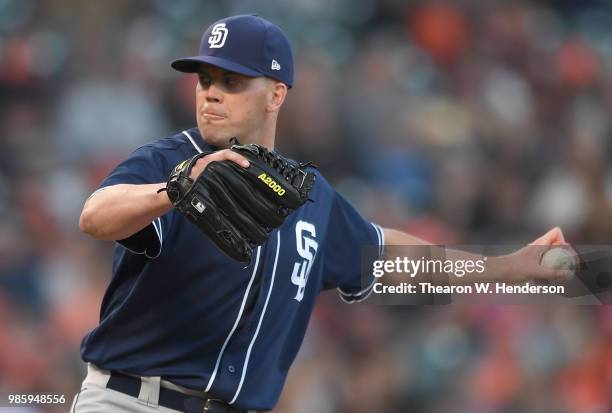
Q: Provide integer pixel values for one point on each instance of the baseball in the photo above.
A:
(562, 258)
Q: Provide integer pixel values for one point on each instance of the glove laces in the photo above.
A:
(286, 169)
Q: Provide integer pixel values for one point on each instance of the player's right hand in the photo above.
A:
(552, 237)
(222, 155)
(526, 264)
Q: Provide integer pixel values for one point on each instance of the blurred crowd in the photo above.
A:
(462, 122)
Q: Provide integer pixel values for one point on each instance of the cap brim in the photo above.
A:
(192, 65)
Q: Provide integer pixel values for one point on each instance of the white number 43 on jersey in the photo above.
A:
(306, 246)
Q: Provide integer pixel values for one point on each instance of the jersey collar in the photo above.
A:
(196, 140)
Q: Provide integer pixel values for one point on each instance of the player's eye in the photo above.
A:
(204, 82)
(231, 82)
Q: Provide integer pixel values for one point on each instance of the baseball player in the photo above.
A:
(183, 325)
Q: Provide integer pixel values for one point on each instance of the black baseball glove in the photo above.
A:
(238, 207)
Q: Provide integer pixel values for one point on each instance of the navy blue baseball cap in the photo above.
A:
(245, 44)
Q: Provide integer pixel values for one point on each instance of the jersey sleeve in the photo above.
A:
(145, 165)
(347, 233)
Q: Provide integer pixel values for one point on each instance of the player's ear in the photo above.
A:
(277, 92)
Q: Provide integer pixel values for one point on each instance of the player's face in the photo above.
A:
(230, 104)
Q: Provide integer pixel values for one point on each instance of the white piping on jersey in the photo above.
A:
(231, 333)
(159, 231)
(365, 293)
(263, 312)
(192, 141)
(381, 240)
(355, 298)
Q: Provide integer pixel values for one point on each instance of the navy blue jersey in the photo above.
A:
(179, 308)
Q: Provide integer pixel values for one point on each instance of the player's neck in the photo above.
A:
(265, 136)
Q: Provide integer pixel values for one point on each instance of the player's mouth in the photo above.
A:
(212, 116)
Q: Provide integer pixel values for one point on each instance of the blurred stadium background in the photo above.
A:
(462, 122)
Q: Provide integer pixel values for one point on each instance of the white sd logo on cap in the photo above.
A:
(218, 34)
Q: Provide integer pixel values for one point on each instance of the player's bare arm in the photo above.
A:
(119, 211)
(521, 265)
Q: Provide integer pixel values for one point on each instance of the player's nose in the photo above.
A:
(214, 93)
